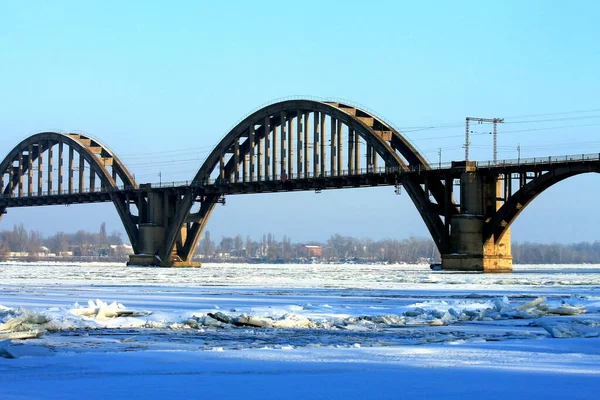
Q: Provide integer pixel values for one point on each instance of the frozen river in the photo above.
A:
(304, 323)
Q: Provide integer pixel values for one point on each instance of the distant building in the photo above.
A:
(307, 251)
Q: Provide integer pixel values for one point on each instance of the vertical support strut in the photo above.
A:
(350, 151)
(284, 143)
(323, 127)
(50, 162)
(60, 167)
(357, 165)
(236, 160)
(71, 170)
(275, 152)
(30, 169)
(374, 159)
(259, 159)
(340, 150)
(113, 171)
(448, 194)
(369, 160)
(20, 173)
(40, 169)
(290, 132)
(299, 135)
(11, 178)
(332, 146)
(92, 180)
(221, 167)
(246, 167)
(81, 173)
(316, 147)
(267, 148)
(306, 142)
(251, 152)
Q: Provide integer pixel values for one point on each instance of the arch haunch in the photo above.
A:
(304, 139)
(517, 202)
(67, 164)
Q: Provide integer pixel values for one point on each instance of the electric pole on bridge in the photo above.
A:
(494, 121)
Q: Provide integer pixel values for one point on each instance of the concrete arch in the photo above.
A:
(510, 210)
(396, 151)
(97, 156)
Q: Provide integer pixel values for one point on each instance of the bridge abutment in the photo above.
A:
(470, 249)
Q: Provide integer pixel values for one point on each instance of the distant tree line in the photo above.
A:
(20, 240)
(269, 249)
(411, 250)
(336, 248)
(556, 253)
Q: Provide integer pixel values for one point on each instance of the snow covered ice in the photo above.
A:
(365, 328)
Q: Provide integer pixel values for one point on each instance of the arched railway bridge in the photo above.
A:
(292, 145)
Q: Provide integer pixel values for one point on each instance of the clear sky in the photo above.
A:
(161, 82)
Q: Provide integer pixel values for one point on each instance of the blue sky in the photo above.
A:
(156, 80)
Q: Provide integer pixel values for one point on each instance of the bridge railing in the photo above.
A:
(540, 160)
(327, 174)
(73, 191)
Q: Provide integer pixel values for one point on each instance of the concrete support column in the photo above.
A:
(369, 158)
(155, 215)
(470, 249)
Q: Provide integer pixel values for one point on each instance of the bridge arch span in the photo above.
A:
(34, 159)
(306, 139)
(512, 208)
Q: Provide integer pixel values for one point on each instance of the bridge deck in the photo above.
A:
(382, 177)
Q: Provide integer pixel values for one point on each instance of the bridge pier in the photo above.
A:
(470, 247)
(155, 213)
